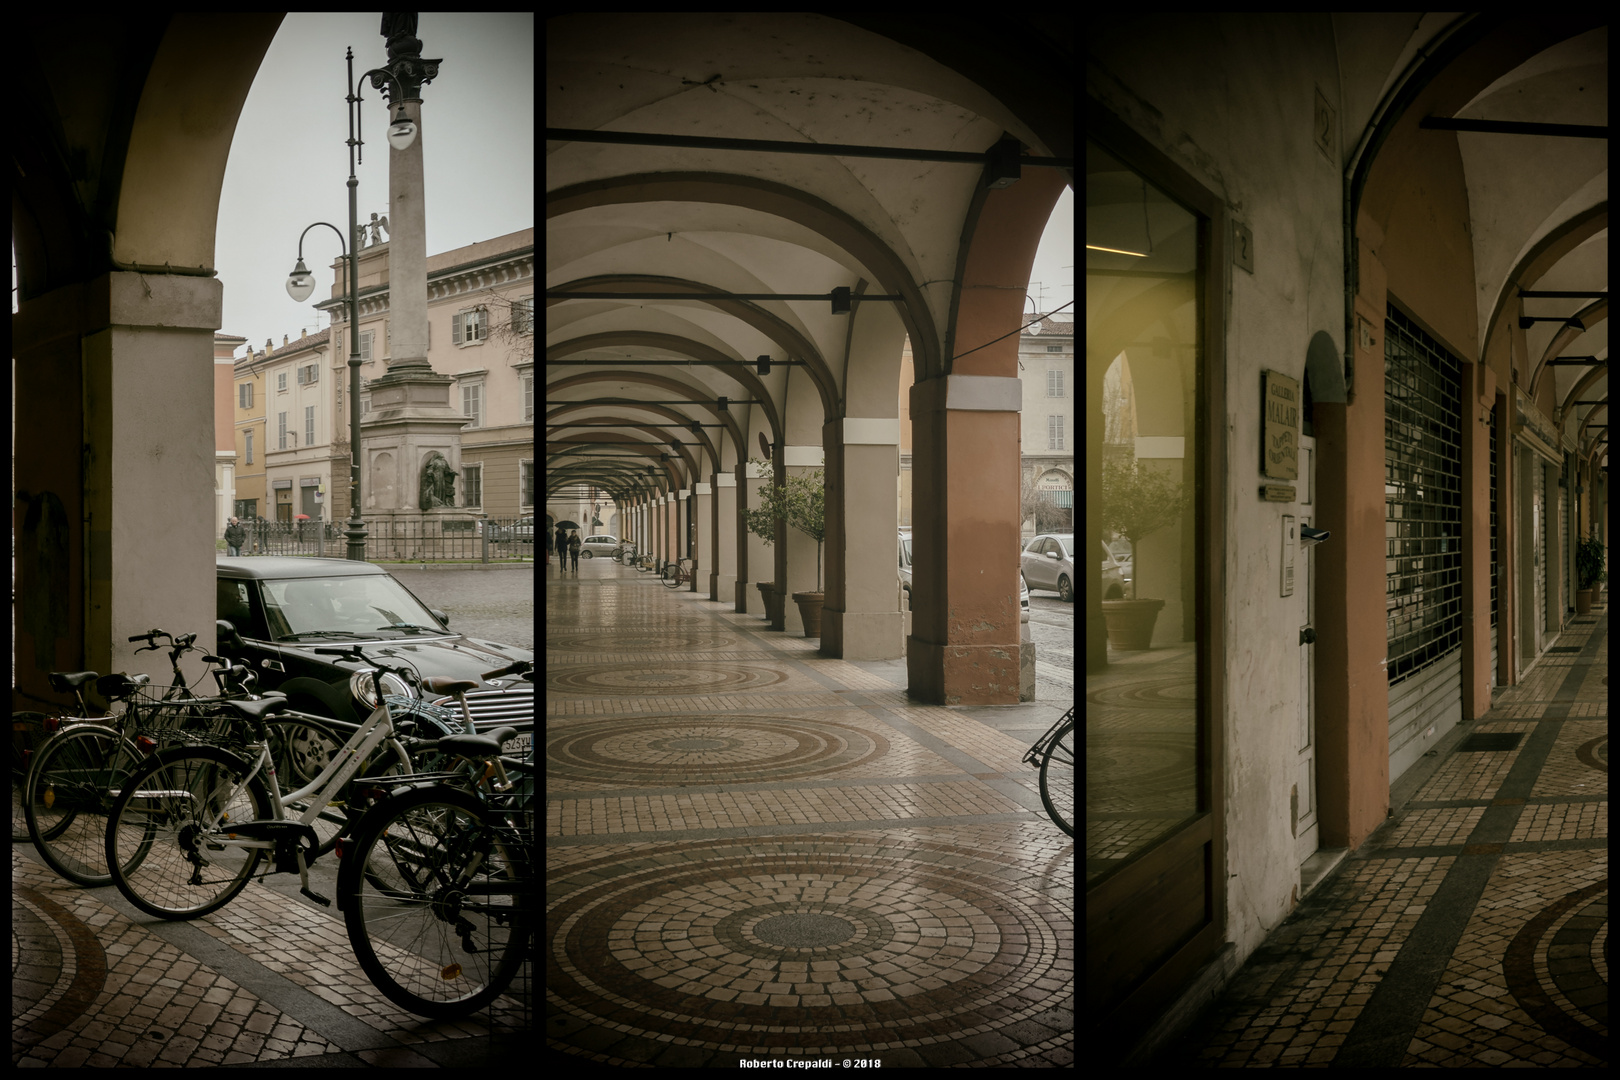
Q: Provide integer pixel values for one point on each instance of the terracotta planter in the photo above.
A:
(1130, 622)
(1583, 601)
(773, 602)
(810, 604)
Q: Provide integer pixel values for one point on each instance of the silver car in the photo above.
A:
(1048, 563)
(601, 544)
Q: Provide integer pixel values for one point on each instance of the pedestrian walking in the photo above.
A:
(562, 546)
(573, 549)
(235, 537)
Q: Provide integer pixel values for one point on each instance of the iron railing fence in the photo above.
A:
(418, 538)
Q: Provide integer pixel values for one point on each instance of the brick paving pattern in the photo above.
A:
(1472, 930)
(755, 853)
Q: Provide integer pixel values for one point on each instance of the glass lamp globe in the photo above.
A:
(402, 132)
(300, 283)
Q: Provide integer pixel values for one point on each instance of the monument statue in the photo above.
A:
(399, 27)
(438, 486)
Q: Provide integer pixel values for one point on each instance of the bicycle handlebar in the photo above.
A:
(516, 667)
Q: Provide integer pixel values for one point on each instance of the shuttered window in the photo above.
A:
(1422, 498)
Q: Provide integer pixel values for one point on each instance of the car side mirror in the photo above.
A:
(444, 620)
(226, 635)
(1054, 556)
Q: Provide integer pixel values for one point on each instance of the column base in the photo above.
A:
(962, 674)
(862, 635)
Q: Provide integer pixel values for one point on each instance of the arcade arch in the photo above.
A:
(787, 283)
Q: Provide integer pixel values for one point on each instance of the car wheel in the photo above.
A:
(587, 554)
(1065, 589)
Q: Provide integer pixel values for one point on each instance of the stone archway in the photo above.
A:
(115, 207)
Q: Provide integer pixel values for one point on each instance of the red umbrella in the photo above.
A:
(300, 517)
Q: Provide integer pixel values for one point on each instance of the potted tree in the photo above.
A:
(802, 503)
(1588, 572)
(762, 523)
(1136, 503)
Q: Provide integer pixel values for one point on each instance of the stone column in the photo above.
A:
(862, 618)
(724, 575)
(407, 254)
(964, 642)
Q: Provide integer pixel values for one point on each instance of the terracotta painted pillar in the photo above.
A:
(964, 642)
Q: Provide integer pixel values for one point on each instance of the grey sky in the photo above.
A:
(1054, 261)
(289, 165)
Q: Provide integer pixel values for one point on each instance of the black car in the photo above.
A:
(280, 609)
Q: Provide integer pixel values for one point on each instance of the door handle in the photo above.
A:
(1307, 635)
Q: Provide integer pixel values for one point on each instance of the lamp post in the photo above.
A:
(300, 283)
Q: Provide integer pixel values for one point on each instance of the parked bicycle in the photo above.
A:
(679, 572)
(1053, 752)
(438, 884)
(190, 826)
(75, 775)
(32, 729)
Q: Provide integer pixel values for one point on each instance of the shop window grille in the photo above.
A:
(1422, 498)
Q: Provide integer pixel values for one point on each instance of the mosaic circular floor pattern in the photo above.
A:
(1557, 968)
(670, 750)
(651, 641)
(620, 679)
(820, 944)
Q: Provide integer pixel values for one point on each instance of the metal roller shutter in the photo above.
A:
(1423, 539)
(1540, 540)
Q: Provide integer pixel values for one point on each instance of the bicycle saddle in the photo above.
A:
(257, 710)
(473, 746)
(68, 681)
(438, 685)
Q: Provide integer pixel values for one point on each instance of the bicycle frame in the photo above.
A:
(377, 729)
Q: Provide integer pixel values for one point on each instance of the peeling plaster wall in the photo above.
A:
(1247, 132)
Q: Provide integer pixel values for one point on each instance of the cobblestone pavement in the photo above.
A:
(493, 603)
(754, 853)
(267, 979)
(1472, 930)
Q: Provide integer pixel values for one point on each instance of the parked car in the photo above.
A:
(521, 530)
(601, 544)
(905, 567)
(1116, 573)
(1048, 563)
(275, 611)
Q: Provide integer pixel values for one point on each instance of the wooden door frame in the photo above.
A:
(1132, 1008)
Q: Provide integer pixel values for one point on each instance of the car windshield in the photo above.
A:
(365, 606)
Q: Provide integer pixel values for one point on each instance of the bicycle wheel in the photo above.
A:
(1057, 778)
(440, 918)
(672, 576)
(67, 794)
(168, 833)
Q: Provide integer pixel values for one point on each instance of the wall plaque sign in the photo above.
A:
(1279, 429)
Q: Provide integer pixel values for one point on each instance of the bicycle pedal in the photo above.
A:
(317, 897)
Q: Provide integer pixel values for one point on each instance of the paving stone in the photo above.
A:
(748, 856)
(1524, 981)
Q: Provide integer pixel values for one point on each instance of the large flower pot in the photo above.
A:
(1130, 622)
(810, 604)
(1583, 601)
(773, 601)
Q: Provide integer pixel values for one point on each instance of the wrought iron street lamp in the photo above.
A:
(300, 283)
